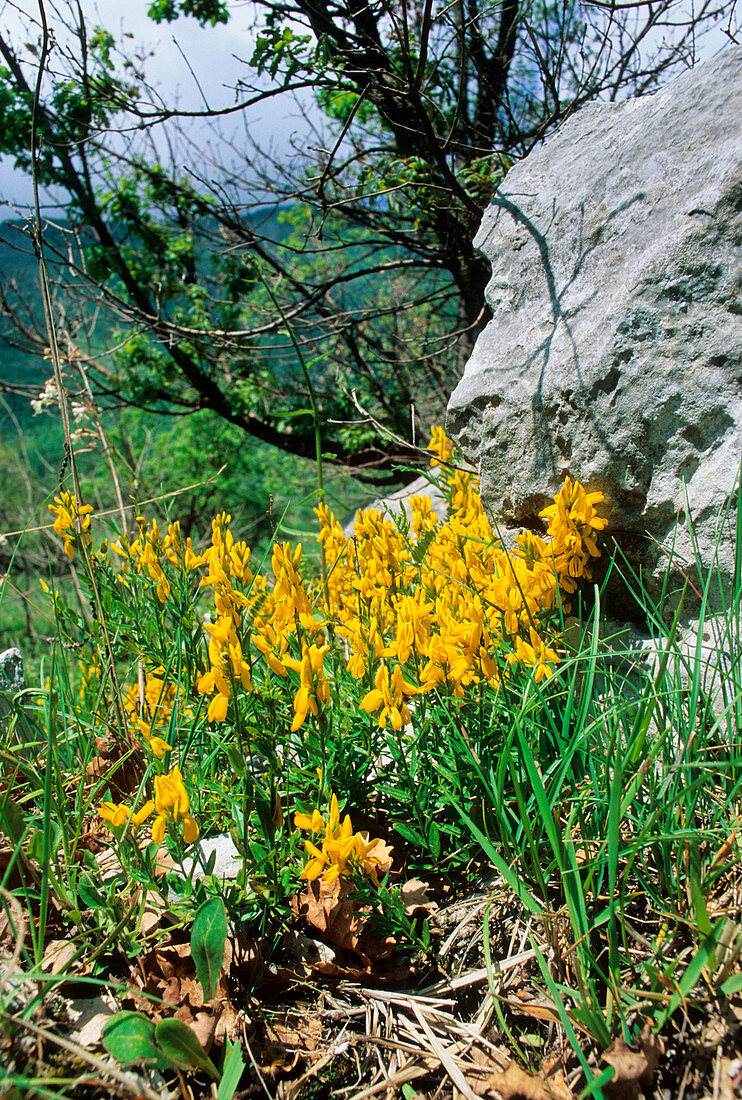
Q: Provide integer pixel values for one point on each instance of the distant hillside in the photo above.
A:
(19, 285)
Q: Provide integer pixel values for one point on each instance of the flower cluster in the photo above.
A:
(236, 591)
(340, 851)
(150, 710)
(425, 604)
(150, 552)
(171, 803)
(72, 522)
(573, 525)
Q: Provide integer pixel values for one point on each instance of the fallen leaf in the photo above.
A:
(515, 1083)
(120, 763)
(283, 1043)
(634, 1068)
(415, 897)
(57, 955)
(91, 1032)
(381, 852)
(331, 911)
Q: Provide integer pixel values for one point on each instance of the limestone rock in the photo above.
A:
(615, 349)
(12, 678)
(12, 716)
(398, 502)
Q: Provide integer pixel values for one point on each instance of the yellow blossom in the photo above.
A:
(389, 696)
(172, 805)
(314, 691)
(73, 521)
(119, 815)
(342, 852)
(440, 445)
(573, 524)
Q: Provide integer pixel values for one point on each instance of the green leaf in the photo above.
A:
(732, 985)
(234, 1065)
(412, 835)
(207, 943)
(508, 873)
(691, 974)
(12, 821)
(35, 848)
(434, 841)
(130, 1037)
(236, 759)
(179, 1044)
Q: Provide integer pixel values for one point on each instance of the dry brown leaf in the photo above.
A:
(286, 1042)
(634, 1069)
(57, 955)
(91, 1033)
(330, 910)
(120, 763)
(228, 1026)
(515, 1083)
(203, 1025)
(533, 1008)
(382, 853)
(415, 897)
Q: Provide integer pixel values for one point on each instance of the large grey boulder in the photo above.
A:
(615, 349)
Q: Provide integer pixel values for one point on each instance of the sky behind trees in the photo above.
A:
(212, 53)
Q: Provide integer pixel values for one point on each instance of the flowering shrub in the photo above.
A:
(379, 732)
(329, 673)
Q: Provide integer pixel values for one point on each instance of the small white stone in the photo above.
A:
(227, 864)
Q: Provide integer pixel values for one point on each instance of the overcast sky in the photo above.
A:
(213, 53)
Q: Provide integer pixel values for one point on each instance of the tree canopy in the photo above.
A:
(341, 277)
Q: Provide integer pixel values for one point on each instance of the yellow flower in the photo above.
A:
(342, 851)
(573, 523)
(314, 691)
(440, 445)
(172, 804)
(158, 745)
(119, 815)
(389, 695)
(73, 521)
(228, 667)
(536, 655)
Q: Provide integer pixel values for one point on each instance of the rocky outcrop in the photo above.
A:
(615, 349)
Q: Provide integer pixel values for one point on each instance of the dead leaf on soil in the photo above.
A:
(120, 763)
(381, 852)
(330, 910)
(515, 1083)
(635, 1068)
(58, 954)
(286, 1042)
(341, 920)
(415, 897)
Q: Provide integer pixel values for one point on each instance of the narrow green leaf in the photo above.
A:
(207, 943)
(234, 1066)
(692, 973)
(732, 985)
(130, 1037)
(12, 821)
(596, 1085)
(412, 835)
(514, 882)
(180, 1045)
(566, 1022)
(434, 841)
